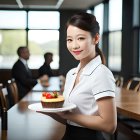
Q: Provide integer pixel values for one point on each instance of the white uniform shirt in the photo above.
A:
(96, 81)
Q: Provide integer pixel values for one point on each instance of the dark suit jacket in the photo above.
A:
(23, 78)
(45, 69)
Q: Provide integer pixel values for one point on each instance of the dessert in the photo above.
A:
(52, 100)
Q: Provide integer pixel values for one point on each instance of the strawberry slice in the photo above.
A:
(49, 96)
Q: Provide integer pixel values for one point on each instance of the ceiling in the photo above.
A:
(48, 4)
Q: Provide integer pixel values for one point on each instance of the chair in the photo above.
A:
(128, 126)
(134, 84)
(127, 131)
(12, 92)
(16, 98)
(3, 107)
(1, 85)
(3, 96)
(119, 80)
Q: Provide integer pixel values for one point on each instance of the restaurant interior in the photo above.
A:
(41, 26)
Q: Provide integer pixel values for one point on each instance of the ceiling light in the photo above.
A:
(59, 3)
(19, 3)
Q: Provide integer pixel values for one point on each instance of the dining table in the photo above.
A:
(128, 103)
(128, 110)
(26, 124)
(54, 85)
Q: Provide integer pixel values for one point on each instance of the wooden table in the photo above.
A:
(24, 124)
(128, 103)
(54, 83)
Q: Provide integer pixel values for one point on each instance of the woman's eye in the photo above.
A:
(81, 38)
(69, 40)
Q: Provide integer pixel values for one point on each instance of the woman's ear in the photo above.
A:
(96, 38)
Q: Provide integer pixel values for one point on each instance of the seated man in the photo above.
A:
(21, 73)
(45, 68)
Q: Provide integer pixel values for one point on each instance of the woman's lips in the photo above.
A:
(77, 52)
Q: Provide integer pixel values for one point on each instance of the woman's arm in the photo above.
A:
(106, 120)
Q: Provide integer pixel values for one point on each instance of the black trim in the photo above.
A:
(103, 91)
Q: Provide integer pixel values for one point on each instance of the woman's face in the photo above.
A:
(80, 43)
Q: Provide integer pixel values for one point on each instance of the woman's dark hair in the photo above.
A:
(87, 22)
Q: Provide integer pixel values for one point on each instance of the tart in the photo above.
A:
(52, 100)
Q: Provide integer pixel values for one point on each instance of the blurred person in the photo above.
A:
(90, 86)
(45, 68)
(21, 72)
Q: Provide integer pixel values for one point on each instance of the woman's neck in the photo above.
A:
(85, 61)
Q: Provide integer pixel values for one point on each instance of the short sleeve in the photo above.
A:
(105, 84)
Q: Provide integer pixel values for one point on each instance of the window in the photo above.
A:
(40, 42)
(11, 39)
(115, 26)
(115, 15)
(114, 58)
(17, 19)
(43, 35)
(136, 30)
(98, 12)
(136, 14)
(43, 20)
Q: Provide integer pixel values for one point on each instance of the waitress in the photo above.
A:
(91, 85)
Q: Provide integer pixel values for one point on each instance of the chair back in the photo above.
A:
(134, 84)
(3, 98)
(119, 80)
(13, 92)
(1, 85)
(16, 97)
(3, 107)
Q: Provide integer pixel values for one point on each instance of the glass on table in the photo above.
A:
(44, 80)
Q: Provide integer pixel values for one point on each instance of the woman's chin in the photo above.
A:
(77, 57)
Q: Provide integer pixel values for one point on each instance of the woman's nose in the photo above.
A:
(75, 45)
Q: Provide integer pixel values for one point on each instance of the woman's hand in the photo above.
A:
(64, 114)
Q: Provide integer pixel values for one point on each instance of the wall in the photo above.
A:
(5, 75)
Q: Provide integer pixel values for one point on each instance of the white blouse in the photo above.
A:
(96, 81)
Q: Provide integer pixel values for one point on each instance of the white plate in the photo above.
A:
(38, 107)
